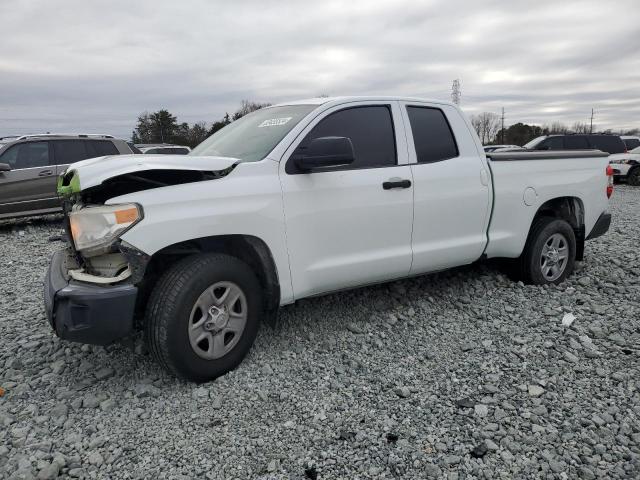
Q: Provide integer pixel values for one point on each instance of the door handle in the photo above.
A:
(45, 173)
(396, 183)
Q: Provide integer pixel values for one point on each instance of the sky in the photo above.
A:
(94, 66)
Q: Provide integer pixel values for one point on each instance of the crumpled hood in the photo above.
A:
(92, 172)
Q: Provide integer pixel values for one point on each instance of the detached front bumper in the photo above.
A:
(84, 312)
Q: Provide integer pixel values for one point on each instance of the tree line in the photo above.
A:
(488, 127)
(163, 127)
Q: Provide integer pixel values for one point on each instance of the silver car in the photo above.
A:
(30, 165)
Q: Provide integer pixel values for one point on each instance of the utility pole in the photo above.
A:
(591, 126)
(502, 130)
(455, 92)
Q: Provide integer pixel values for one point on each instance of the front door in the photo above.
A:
(344, 227)
(30, 185)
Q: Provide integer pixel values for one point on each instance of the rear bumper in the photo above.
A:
(601, 227)
(83, 312)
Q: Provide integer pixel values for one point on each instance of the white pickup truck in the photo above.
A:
(301, 199)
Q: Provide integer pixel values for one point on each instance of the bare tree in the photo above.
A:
(486, 126)
(555, 127)
(581, 127)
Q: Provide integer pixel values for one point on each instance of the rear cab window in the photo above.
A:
(370, 129)
(432, 135)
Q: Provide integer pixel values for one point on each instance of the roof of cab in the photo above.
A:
(355, 98)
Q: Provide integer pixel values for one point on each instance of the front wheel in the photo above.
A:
(550, 252)
(203, 316)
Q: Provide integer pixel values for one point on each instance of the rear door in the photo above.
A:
(452, 191)
(576, 142)
(347, 226)
(31, 182)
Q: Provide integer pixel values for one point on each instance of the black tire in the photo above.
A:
(529, 265)
(633, 177)
(169, 310)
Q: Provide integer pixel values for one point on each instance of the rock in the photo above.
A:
(584, 281)
(479, 451)
(355, 328)
(586, 473)
(535, 390)
(272, 466)
(465, 402)
(49, 472)
(143, 390)
(90, 401)
(481, 410)
(570, 357)
(200, 393)
(468, 346)
(402, 392)
(452, 460)
(104, 373)
(95, 458)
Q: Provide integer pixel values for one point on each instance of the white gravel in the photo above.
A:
(457, 375)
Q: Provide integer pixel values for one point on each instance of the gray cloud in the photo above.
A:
(94, 66)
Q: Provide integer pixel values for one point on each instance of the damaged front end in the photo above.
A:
(92, 288)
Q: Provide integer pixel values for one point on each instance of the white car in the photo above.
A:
(302, 199)
(626, 166)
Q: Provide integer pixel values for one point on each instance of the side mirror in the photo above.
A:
(5, 167)
(325, 152)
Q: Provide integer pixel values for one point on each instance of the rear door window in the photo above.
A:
(100, 148)
(432, 135)
(370, 129)
(27, 155)
(577, 142)
(69, 151)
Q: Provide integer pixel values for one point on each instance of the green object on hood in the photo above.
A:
(68, 184)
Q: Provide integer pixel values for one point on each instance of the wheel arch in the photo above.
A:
(250, 249)
(566, 208)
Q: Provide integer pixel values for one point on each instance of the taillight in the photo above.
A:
(609, 181)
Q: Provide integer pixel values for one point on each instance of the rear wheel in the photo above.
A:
(203, 316)
(550, 252)
(633, 178)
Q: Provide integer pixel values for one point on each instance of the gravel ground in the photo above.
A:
(457, 375)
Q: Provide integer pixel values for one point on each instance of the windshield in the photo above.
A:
(253, 136)
(533, 143)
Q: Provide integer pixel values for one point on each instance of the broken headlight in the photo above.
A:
(94, 229)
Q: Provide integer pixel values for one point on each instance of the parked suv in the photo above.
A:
(30, 165)
(606, 143)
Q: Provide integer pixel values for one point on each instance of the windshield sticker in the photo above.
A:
(274, 122)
